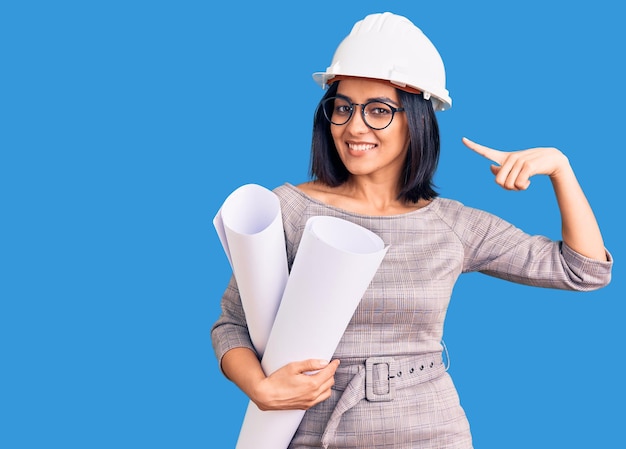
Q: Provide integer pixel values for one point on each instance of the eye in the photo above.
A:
(342, 108)
(378, 109)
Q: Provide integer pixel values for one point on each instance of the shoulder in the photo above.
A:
(312, 192)
(288, 192)
(317, 191)
(293, 200)
(464, 218)
(447, 208)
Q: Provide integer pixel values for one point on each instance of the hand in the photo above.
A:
(515, 168)
(296, 386)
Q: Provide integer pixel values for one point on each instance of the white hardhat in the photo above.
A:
(390, 47)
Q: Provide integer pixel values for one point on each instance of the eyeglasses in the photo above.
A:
(376, 114)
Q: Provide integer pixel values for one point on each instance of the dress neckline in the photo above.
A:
(356, 214)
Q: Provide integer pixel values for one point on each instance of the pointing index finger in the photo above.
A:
(494, 155)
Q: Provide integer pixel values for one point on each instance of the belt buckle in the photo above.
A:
(370, 393)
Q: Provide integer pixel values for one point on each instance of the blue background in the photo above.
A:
(124, 126)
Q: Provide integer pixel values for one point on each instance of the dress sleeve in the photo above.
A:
(230, 330)
(497, 248)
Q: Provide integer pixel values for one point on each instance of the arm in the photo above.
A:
(579, 228)
(288, 388)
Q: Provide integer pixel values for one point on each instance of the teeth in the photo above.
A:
(361, 147)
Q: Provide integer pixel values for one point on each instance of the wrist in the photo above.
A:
(563, 171)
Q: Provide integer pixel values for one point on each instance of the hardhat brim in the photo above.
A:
(442, 103)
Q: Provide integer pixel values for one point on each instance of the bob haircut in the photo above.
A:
(421, 159)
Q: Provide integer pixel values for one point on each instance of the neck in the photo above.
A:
(376, 197)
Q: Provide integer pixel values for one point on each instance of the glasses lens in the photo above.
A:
(378, 115)
(337, 110)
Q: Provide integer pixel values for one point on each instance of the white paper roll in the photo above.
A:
(334, 265)
(250, 227)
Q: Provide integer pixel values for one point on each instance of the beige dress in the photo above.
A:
(392, 390)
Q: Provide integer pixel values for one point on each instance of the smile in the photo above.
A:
(361, 147)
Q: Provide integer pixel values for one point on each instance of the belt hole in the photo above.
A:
(411, 370)
(421, 367)
(399, 374)
(431, 364)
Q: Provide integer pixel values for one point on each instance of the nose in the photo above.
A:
(357, 123)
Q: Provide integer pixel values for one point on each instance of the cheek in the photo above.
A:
(403, 136)
(335, 132)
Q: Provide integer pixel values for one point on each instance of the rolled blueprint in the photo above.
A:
(250, 227)
(334, 265)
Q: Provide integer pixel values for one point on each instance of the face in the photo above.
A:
(363, 150)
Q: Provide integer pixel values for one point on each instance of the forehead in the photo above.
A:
(365, 88)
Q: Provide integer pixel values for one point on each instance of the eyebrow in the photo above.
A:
(381, 99)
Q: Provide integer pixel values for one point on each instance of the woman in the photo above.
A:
(374, 154)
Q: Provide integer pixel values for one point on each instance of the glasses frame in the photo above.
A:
(363, 113)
